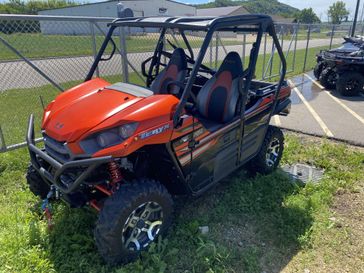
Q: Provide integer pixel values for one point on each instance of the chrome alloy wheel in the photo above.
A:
(272, 152)
(142, 226)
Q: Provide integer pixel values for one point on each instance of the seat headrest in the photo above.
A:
(179, 58)
(233, 64)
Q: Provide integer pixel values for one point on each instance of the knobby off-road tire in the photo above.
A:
(267, 160)
(350, 83)
(36, 184)
(318, 69)
(115, 221)
(328, 78)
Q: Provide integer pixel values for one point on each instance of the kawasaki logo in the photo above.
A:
(59, 125)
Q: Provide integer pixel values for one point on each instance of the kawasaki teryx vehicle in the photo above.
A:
(128, 150)
(322, 70)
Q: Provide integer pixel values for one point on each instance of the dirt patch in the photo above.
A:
(348, 216)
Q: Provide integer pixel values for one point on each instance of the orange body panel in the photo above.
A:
(89, 108)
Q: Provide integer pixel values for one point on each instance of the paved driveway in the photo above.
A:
(324, 113)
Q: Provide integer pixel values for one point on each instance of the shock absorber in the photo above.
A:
(115, 173)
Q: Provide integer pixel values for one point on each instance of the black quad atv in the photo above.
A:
(350, 73)
(323, 69)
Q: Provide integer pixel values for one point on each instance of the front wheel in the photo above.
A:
(350, 83)
(328, 78)
(131, 219)
(318, 69)
(267, 160)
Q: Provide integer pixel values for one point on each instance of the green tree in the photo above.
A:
(307, 16)
(27, 7)
(33, 6)
(337, 12)
(223, 3)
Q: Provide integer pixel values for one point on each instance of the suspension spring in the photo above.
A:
(115, 173)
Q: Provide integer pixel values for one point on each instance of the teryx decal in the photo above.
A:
(154, 131)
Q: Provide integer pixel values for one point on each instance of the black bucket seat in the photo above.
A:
(175, 71)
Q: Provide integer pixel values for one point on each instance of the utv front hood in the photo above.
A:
(83, 107)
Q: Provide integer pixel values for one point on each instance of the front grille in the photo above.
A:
(56, 149)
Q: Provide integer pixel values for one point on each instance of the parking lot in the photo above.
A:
(323, 112)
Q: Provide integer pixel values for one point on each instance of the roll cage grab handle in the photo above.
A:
(265, 26)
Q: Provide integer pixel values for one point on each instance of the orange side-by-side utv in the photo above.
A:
(128, 150)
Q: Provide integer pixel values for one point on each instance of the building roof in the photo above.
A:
(106, 1)
(222, 11)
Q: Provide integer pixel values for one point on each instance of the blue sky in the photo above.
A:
(319, 6)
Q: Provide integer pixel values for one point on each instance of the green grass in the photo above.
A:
(262, 223)
(42, 46)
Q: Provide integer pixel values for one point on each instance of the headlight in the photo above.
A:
(108, 138)
(127, 130)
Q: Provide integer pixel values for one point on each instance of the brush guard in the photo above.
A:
(37, 155)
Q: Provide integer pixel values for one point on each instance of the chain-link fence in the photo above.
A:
(43, 55)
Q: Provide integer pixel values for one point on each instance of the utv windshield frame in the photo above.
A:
(259, 24)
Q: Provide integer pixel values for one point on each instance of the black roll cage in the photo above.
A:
(260, 23)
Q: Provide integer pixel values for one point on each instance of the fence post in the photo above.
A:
(264, 55)
(332, 35)
(282, 39)
(362, 29)
(295, 47)
(2, 141)
(272, 56)
(217, 50)
(244, 49)
(306, 52)
(211, 49)
(94, 50)
(124, 56)
(164, 47)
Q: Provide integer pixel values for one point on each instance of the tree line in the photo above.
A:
(27, 7)
(33, 6)
(337, 12)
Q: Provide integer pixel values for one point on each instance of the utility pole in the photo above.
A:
(355, 18)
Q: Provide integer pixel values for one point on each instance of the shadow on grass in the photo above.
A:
(258, 222)
(255, 224)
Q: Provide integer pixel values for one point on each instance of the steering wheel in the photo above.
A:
(181, 87)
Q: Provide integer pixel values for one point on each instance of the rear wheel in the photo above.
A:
(350, 83)
(36, 184)
(270, 154)
(131, 219)
(328, 78)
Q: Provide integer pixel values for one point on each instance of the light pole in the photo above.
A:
(355, 18)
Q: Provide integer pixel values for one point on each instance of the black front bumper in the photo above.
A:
(37, 156)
